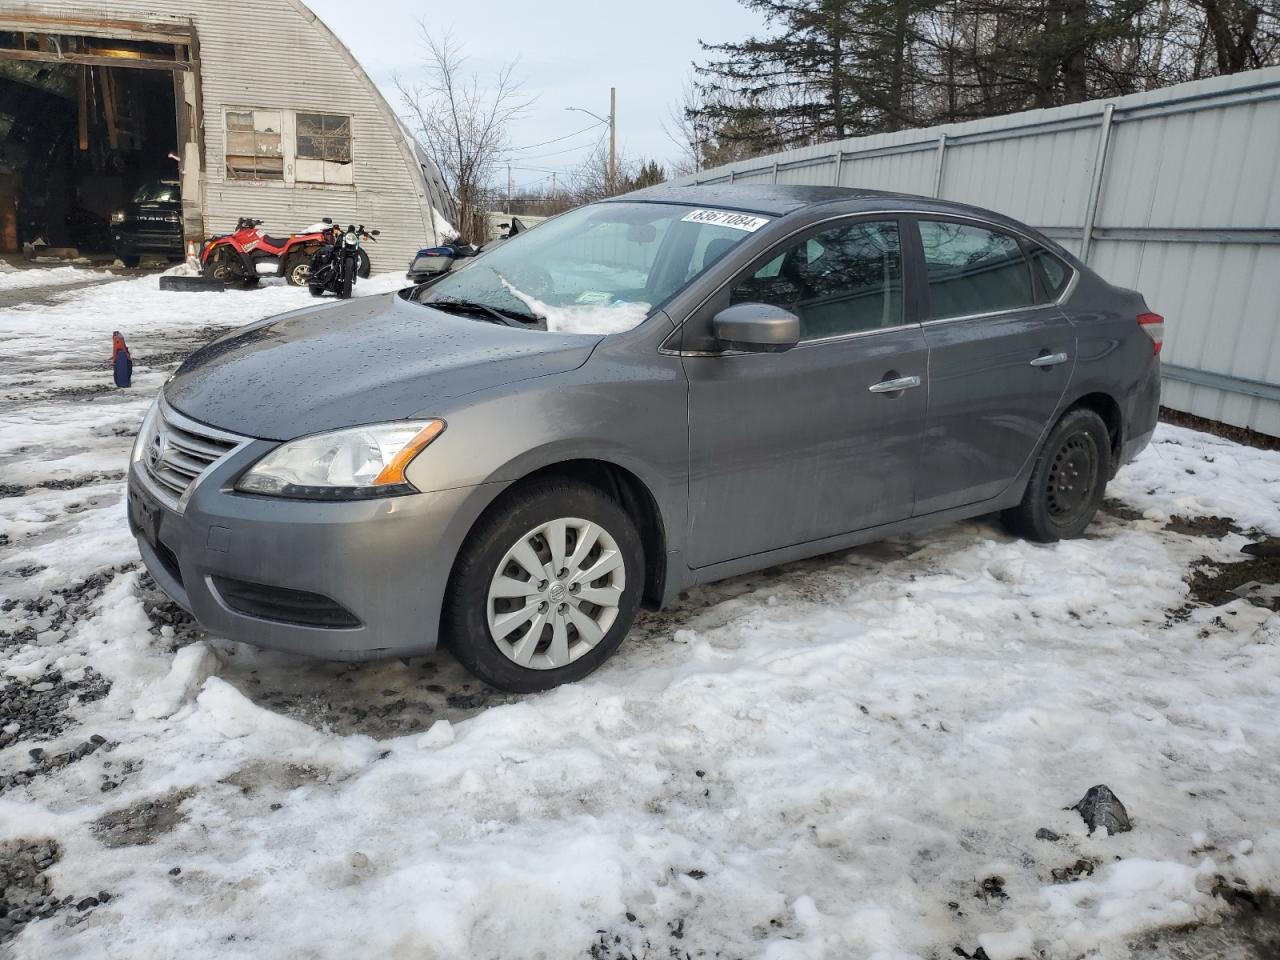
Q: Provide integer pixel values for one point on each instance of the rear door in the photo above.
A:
(1000, 360)
(786, 448)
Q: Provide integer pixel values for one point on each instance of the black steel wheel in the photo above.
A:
(1068, 481)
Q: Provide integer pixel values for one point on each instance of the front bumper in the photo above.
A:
(132, 243)
(386, 562)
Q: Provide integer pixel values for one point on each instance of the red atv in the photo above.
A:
(251, 253)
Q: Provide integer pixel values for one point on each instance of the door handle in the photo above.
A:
(1049, 360)
(895, 386)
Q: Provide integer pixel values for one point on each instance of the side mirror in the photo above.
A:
(756, 327)
(327, 220)
(376, 233)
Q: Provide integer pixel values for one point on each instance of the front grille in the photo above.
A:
(284, 605)
(179, 450)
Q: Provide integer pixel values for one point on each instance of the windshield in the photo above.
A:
(157, 193)
(599, 269)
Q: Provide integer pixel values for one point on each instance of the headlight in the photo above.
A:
(118, 217)
(343, 465)
(145, 431)
(350, 239)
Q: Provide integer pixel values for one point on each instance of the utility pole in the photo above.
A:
(553, 183)
(508, 189)
(613, 139)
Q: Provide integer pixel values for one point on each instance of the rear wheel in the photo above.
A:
(130, 261)
(1068, 481)
(296, 269)
(545, 588)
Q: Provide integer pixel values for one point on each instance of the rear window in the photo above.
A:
(973, 270)
(1053, 272)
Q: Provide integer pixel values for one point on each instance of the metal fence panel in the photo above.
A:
(1174, 192)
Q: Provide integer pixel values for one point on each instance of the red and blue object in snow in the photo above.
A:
(121, 362)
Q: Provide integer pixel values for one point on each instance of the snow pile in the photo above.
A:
(845, 757)
(600, 319)
(16, 278)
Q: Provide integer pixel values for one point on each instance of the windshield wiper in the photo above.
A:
(500, 315)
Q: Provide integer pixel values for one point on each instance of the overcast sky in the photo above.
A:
(569, 51)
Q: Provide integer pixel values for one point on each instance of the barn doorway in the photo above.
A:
(89, 120)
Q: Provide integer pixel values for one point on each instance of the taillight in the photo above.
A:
(1153, 324)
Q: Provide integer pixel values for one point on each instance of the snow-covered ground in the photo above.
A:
(844, 758)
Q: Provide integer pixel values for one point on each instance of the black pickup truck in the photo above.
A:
(150, 224)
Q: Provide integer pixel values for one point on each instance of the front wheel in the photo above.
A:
(346, 278)
(545, 588)
(1067, 482)
(365, 267)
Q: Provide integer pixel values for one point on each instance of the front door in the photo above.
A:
(999, 363)
(787, 448)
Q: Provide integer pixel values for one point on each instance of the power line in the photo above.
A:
(567, 136)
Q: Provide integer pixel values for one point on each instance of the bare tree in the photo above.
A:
(463, 122)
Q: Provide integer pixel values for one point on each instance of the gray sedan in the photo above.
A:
(676, 386)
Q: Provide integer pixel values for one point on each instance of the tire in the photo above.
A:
(365, 267)
(296, 269)
(130, 262)
(1068, 481)
(315, 290)
(347, 279)
(575, 636)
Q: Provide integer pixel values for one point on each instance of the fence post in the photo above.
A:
(839, 164)
(775, 171)
(733, 174)
(1095, 182)
(937, 165)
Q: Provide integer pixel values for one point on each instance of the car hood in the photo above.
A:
(358, 361)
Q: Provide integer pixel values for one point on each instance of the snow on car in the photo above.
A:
(864, 754)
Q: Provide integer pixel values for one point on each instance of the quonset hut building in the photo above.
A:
(261, 114)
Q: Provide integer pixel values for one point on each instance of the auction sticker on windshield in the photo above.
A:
(726, 218)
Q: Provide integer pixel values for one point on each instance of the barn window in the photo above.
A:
(255, 149)
(323, 148)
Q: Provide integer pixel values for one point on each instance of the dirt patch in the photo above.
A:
(1075, 871)
(1243, 435)
(141, 823)
(45, 763)
(1212, 582)
(26, 892)
(1214, 528)
(1121, 510)
(1251, 931)
(37, 709)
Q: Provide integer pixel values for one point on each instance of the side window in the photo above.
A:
(1054, 274)
(254, 149)
(973, 270)
(844, 280)
(323, 148)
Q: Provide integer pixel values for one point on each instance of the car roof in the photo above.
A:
(781, 199)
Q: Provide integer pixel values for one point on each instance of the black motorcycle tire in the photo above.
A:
(347, 278)
(365, 267)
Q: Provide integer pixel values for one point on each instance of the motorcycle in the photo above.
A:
(431, 263)
(336, 265)
(250, 253)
